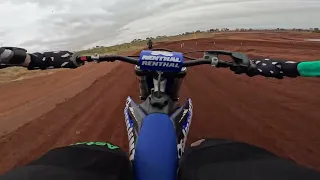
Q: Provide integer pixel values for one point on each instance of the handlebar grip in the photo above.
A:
(309, 69)
(61, 59)
(275, 68)
(12, 55)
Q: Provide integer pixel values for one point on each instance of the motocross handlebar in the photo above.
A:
(110, 58)
(212, 60)
(240, 62)
(131, 60)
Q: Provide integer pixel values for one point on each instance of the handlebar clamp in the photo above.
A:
(95, 58)
(212, 57)
(240, 62)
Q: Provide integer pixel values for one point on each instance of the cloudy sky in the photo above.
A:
(78, 24)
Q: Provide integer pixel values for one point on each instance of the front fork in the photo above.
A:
(185, 119)
(145, 90)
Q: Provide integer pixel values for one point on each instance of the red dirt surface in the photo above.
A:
(87, 104)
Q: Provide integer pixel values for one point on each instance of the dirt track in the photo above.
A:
(87, 104)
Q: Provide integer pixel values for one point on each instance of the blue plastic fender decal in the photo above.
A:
(161, 61)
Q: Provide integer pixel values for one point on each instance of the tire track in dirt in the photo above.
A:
(85, 117)
(37, 101)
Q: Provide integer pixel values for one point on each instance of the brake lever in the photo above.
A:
(241, 63)
(240, 58)
(220, 52)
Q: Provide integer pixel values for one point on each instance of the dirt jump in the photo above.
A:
(86, 104)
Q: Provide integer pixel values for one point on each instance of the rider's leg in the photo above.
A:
(221, 159)
(84, 161)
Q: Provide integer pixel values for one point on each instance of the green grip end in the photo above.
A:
(309, 69)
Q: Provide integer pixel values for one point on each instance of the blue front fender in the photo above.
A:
(156, 154)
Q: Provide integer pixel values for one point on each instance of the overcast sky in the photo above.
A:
(78, 24)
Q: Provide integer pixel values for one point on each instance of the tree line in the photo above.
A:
(316, 30)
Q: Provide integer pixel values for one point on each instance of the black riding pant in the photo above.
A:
(213, 159)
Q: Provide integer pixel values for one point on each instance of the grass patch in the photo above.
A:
(20, 73)
(117, 49)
